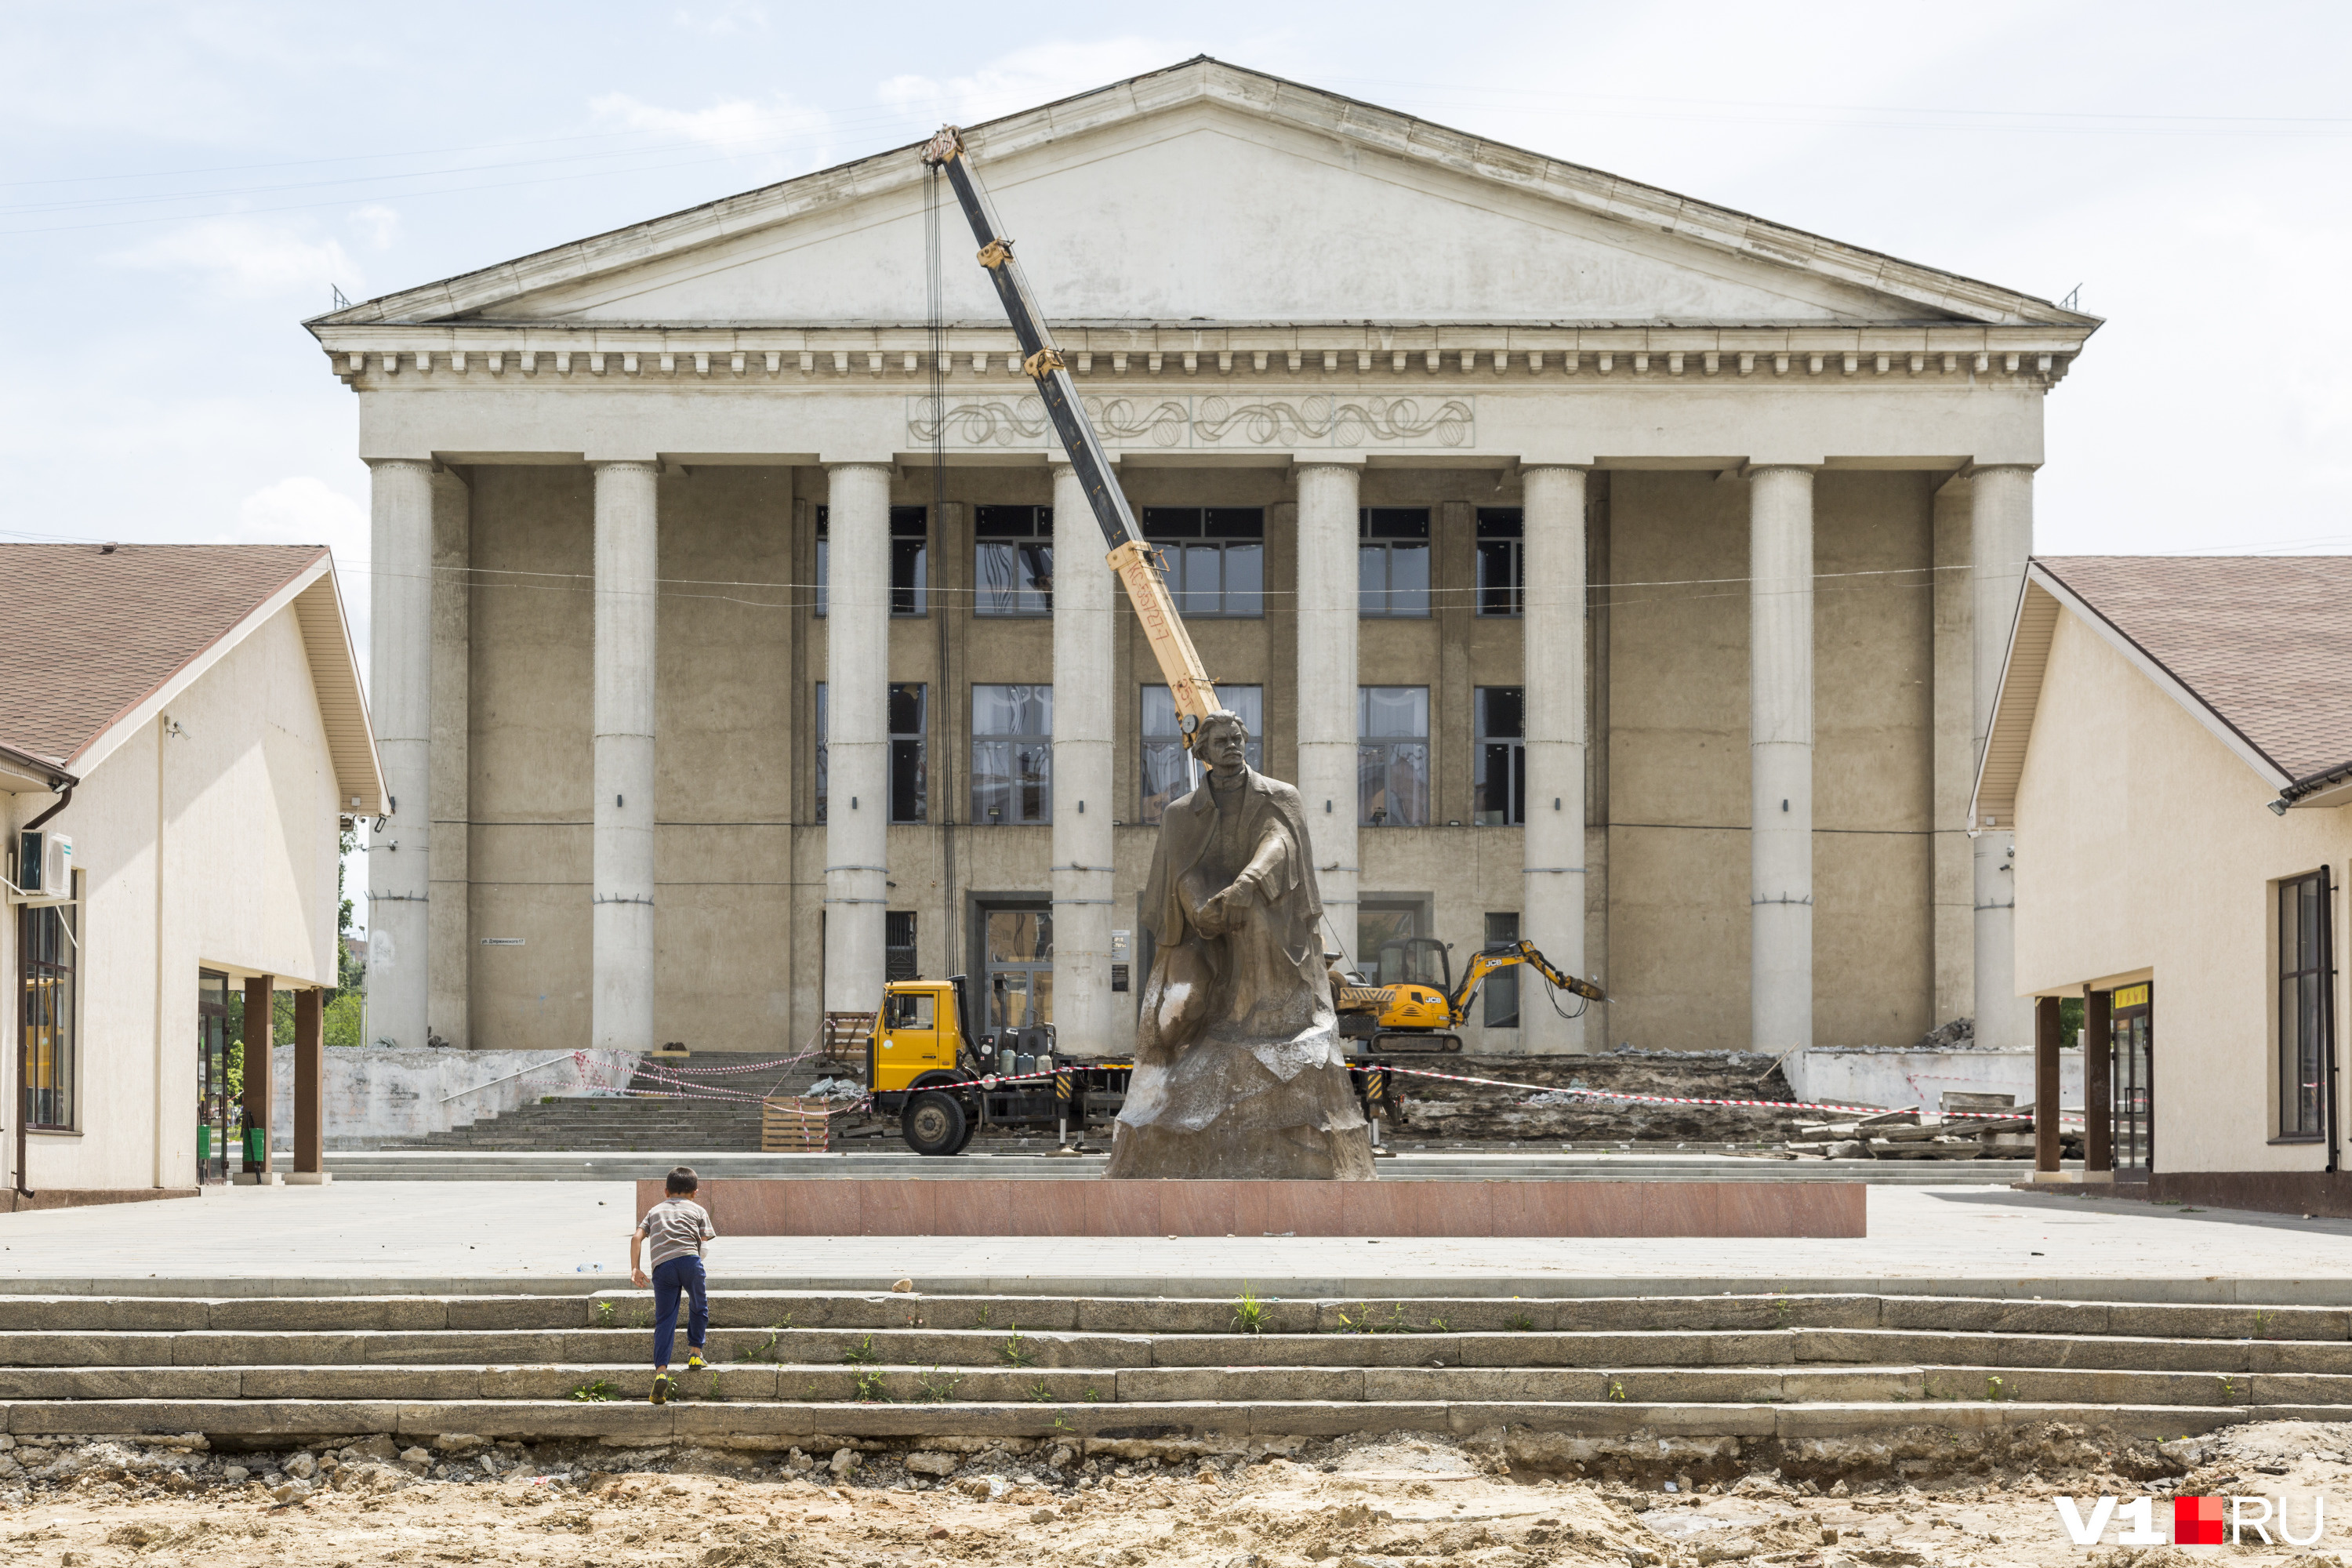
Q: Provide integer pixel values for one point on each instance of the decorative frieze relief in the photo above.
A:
(1204, 423)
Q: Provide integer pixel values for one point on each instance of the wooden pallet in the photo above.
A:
(792, 1125)
(843, 1036)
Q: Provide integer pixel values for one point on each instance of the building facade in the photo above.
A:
(1606, 569)
(2172, 738)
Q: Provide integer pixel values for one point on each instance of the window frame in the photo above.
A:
(919, 737)
(2305, 1013)
(1040, 743)
(915, 594)
(1515, 813)
(1035, 546)
(1387, 547)
(1499, 1001)
(1163, 527)
(1377, 757)
(58, 958)
(1502, 529)
(895, 967)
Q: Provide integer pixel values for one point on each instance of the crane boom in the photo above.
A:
(1135, 562)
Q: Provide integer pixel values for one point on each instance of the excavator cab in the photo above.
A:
(1418, 975)
(1421, 960)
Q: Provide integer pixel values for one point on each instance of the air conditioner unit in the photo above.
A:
(45, 866)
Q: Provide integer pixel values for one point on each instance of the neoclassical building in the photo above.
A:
(1606, 568)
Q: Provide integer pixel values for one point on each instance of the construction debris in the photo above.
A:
(1905, 1135)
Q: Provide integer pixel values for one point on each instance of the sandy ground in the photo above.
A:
(1923, 1498)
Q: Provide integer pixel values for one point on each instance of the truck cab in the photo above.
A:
(920, 1033)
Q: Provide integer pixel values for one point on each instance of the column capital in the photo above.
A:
(836, 464)
(1353, 462)
(429, 463)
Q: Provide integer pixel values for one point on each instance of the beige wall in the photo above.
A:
(247, 794)
(2143, 847)
(740, 860)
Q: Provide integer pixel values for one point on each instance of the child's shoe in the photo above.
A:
(661, 1389)
(694, 1361)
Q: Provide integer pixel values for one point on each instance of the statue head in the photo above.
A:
(1223, 743)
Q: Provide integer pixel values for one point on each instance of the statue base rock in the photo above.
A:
(1229, 1108)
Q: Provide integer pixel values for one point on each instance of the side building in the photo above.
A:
(1606, 568)
(183, 733)
(2173, 743)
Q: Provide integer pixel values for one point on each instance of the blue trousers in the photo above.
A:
(679, 1273)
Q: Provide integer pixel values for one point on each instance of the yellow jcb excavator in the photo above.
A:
(1420, 1010)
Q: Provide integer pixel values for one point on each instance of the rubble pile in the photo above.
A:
(1905, 1135)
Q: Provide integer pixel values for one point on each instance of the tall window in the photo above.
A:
(1392, 757)
(909, 559)
(1498, 784)
(1167, 769)
(1013, 561)
(1499, 576)
(908, 783)
(1011, 754)
(46, 939)
(2304, 939)
(1393, 561)
(1502, 991)
(899, 944)
(1216, 557)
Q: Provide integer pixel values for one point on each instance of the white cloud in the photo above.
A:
(379, 226)
(737, 125)
(1028, 78)
(254, 260)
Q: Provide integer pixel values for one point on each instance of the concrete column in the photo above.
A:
(2001, 537)
(1326, 688)
(2045, 1088)
(620, 1003)
(400, 554)
(1551, 903)
(858, 696)
(449, 1010)
(1084, 722)
(1954, 609)
(1781, 758)
(310, 1090)
(258, 1082)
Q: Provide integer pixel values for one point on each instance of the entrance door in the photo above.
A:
(218, 1112)
(1018, 945)
(2135, 1092)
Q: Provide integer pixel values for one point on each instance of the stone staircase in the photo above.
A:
(792, 1367)
(611, 1123)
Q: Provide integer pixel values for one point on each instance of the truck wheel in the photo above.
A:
(970, 1128)
(933, 1123)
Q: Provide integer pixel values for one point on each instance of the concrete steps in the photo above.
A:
(798, 1363)
(611, 1123)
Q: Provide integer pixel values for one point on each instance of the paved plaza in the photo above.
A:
(552, 1235)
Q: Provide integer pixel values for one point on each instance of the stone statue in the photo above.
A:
(1238, 1068)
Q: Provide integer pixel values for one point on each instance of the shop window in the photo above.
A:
(1392, 757)
(1393, 561)
(2305, 937)
(1011, 754)
(1169, 771)
(46, 947)
(1215, 556)
(1013, 561)
(1500, 581)
(909, 560)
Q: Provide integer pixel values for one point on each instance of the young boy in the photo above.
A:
(678, 1227)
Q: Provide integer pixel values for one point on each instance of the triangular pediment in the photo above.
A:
(1207, 193)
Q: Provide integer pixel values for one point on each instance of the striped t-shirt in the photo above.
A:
(675, 1227)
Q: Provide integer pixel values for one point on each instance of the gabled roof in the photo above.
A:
(105, 636)
(1928, 293)
(2257, 648)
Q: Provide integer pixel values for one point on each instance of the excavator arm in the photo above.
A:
(1504, 956)
(1135, 562)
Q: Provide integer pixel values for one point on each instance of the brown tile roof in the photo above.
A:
(92, 635)
(2264, 641)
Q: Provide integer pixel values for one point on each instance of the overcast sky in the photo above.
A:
(182, 183)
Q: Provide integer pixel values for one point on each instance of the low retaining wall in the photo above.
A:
(856, 1207)
(1897, 1077)
(376, 1092)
